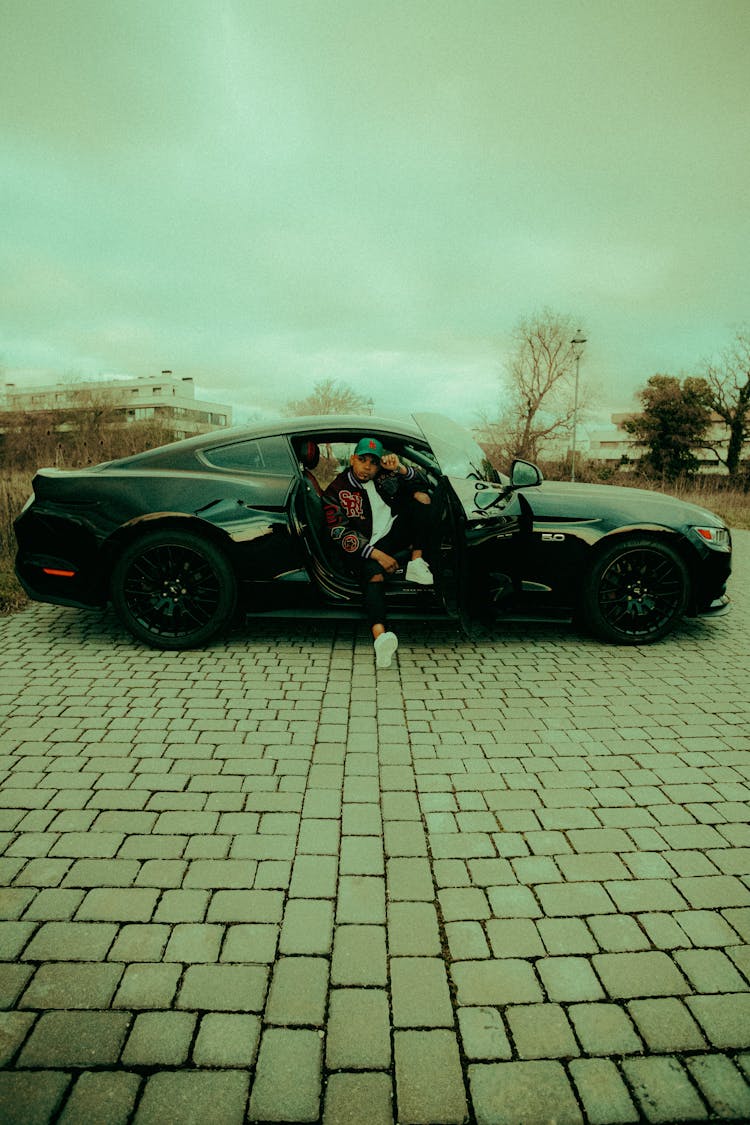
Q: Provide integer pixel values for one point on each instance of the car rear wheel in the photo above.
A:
(636, 592)
(173, 589)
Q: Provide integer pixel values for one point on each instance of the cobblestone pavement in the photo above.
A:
(504, 881)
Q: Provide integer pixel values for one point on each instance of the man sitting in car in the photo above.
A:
(374, 510)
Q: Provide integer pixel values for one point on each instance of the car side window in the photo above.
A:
(269, 456)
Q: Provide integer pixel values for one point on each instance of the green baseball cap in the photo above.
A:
(369, 445)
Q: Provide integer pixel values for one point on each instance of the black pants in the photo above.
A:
(411, 530)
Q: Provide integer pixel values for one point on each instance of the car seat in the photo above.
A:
(309, 455)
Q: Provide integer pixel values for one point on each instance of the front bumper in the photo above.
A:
(719, 607)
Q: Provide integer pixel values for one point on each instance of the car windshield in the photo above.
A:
(458, 454)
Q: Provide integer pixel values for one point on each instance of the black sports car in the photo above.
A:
(178, 537)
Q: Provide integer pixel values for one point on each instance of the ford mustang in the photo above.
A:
(182, 537)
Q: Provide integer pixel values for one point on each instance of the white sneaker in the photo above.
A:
(419, 571)
(385, 645)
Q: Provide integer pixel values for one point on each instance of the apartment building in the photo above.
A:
(615, 446)
(165, 397)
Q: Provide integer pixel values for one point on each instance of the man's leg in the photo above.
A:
(373, 590)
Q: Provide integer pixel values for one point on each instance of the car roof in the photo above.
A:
(314, 425)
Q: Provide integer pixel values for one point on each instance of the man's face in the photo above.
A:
(364, 467)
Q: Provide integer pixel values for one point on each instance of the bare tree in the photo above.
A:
(729, 396)
(540, 378)
(330, 397)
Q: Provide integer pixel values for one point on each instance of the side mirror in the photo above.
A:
(525, 475)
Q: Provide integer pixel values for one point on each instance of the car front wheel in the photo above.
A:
(173, 589)
(636, 592)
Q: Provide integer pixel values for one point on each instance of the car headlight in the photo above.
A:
(715, 537)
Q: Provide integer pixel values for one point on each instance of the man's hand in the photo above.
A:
(388, 563)
(422, 497)
(391, 463)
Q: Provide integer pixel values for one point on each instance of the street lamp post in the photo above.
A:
(578, 341)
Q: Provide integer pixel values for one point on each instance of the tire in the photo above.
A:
(173, 589)
(636, 592)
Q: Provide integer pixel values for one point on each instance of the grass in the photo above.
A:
(732, 505)
(15, 489)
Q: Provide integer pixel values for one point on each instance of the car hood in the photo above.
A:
(564, 500)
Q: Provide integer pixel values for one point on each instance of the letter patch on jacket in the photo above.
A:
(352, 501)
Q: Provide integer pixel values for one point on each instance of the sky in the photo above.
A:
(262, 194)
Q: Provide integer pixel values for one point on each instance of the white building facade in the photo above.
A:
(162, 398)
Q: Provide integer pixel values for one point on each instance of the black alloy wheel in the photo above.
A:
(174, 589)
(636, 592)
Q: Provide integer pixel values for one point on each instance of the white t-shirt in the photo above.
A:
(382, 516)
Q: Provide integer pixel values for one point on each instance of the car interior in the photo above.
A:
(321, 460)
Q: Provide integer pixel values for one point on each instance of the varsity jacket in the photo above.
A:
(347, 510)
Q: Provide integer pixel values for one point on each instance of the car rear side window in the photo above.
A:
(269, 456)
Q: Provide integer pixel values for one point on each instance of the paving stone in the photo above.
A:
(254, 942)
(287, 1083)
(71, 941)
(139, 943)
(54, 904)
(618, 933)
(713, 891)
(626, 975)
(72, 985)
(705, 927)
(666, 1025)
(246, 906)
(483, 1034)
(566, 935)
(361, 898)
(507, 1093)
(147, 986)
(429, 1082)
(159, 1039)
(229, 988)
(463, 904)
(358, 1032)
(663, 1090)
(409, 879)
(14, 1027)
(663, 931)
(193, 1098)
(419, 991)
(632, 895)
(182, 906)
(107, 1095)
(508, 981)
(602, 1091)
(82, 1039)
(307, 927)
(725, 1019)
(722, 1085)
(514, 937)
(120, 905)
(359, 956)
(541, 1031)
(574, 899)
(298, 991)
(466, 941)
(226, 1039)
(413, 930)
(194, 942)
(13, 980)
(569, 979)
(604, 1029)
(709, 970)
(354, 1098)
(31, 1099)
(513, 902)
(314, 876)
